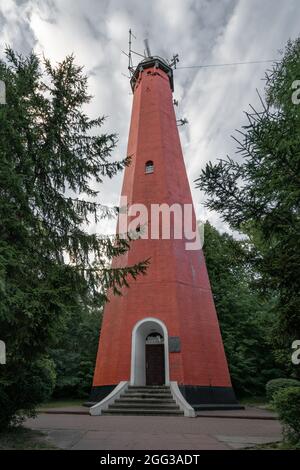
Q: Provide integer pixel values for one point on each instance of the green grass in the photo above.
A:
(61, 403)
(260, 402)
(253, 401)
(20, 438)
(282, 445)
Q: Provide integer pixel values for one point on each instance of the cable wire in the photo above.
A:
(225, 65)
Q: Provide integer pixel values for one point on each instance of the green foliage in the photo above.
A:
(21, 438)
(35, 384)
(245, 316)
(258, 194)
(75, 354)
(287, 405)
(52, 159)
(274, 385)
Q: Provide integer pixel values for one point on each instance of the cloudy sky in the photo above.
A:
(200, 31)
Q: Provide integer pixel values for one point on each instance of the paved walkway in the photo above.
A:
(250, 412)
(77, 431)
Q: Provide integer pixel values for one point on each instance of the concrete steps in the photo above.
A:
(126, 404)
(146, 400)
(154, 396)
(152, 388)
(142, 411)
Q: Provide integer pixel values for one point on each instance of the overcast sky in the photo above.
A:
(200, 31)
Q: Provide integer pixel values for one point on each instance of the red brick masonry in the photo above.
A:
(176, 289)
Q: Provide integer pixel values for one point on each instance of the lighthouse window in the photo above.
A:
(149, 167)
(154, 338)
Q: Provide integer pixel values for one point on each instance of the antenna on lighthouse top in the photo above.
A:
(131, 67)
(147, 60)
(130, 63)
(174, 61)
(147, 48)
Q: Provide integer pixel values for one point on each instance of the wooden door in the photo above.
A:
(155, 364)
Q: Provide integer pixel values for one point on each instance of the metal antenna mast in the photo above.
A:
(147, 48)
(131, 67)
(148, 58)
(130, 63)
(174, 61)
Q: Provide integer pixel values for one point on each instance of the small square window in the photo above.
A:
(149, 167)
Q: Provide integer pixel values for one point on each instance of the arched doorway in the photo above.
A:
(149, 353)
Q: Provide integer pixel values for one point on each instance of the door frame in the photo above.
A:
(138, 363)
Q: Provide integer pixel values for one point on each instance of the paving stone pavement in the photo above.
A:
(69, 431)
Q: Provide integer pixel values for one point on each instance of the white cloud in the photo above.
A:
(201, 31)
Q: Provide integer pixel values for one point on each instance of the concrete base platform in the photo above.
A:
(249, 412)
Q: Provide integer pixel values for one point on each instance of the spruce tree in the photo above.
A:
(52, 157)
(258, 194)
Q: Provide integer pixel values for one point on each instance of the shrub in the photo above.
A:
(287, 404)
(26, 388)
(275, 385)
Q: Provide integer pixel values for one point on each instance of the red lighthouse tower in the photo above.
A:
(164, 329)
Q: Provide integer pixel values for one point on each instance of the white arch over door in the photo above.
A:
(139, 333)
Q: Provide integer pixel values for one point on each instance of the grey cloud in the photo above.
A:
(201, 31)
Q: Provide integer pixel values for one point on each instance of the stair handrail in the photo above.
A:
(187, 409)
(96, 410)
